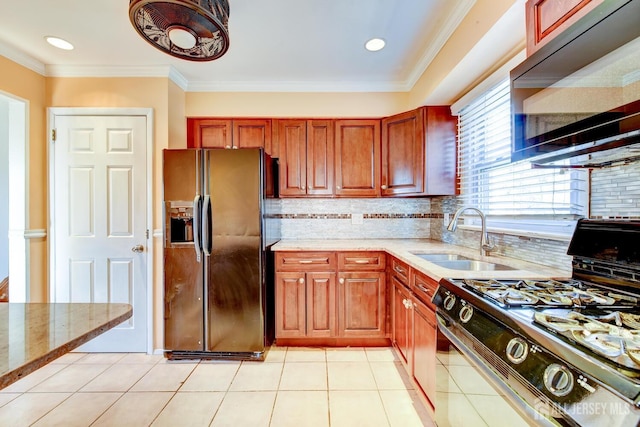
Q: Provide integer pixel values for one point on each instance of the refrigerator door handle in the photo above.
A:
(197, 243)
(206, 225)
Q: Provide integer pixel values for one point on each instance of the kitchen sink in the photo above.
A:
(440, 257)
(471, 265)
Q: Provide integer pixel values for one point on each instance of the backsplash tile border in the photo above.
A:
(364, 216)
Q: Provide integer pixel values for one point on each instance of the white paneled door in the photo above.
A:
(99, 214)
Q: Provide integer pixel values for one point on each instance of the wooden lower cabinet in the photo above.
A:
(424, 348)
(402, 321)
(321, 304)
(414, 325)
(313, 301)
(362, 304)
(291, 305)
(305, 305)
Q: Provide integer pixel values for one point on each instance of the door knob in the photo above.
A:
(137, 248)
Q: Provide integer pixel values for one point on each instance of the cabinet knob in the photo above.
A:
(338, 187)
(384, 187)
(302, 188)
(227, 146)
(234, 147)
(341, 280)
(301, 280)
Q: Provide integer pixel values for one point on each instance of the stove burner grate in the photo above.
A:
(547, 293)
(614, 335)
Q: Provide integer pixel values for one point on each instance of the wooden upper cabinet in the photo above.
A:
(209, 133)
(357, 158)
(548, 18)
(306, 157)
(403, 154)
(292, 145)
(229, 133)
(419, 153)
(252, 133)
(441, 129)
(320, 152)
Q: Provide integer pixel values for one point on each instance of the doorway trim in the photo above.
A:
(19, 235)
(90, 111)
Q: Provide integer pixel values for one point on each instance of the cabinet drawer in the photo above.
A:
(400, 270)
(305, 261)
(424, 288)
(361, 261)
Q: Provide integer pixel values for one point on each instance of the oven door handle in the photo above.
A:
(523, 407)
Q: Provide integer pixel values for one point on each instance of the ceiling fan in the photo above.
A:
(195, 30)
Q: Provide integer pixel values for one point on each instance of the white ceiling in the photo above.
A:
(276, 45)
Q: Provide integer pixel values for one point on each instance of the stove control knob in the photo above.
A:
(449, 301)
(558, 380)
(517, 350)
(465, 313)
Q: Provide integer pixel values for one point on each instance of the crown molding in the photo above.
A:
(116, 71)
(450, 25)
(22, 58)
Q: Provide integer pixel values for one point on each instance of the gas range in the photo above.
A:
(567, 350)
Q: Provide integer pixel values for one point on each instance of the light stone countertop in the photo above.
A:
(34, 334)
(403, 248)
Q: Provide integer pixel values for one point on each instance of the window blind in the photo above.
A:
(498, 187)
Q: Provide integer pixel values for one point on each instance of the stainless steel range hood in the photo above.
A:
(578, 97)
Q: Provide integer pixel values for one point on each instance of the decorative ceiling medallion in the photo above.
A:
(196, 30)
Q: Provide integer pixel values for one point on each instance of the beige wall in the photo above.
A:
(483, 15)
(312, 104)
(29, 86)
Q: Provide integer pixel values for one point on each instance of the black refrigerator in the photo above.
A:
(220, 224)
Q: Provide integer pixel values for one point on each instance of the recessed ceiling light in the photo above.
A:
(59, 43)
(374, 45)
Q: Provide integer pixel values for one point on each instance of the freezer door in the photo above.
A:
(183, 272)
(234, 291)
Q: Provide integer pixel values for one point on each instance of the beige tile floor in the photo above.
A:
(293, 387)
(465, 398)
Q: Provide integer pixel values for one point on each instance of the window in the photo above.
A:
(512, 195)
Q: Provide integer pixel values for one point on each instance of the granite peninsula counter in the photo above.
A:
(34, 334)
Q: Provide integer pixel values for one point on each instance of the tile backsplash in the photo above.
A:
(308, 218)
(615, 192)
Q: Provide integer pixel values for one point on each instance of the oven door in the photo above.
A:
(470, 392)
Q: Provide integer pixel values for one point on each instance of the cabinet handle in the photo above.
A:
(305, 261)
(399, 270)
(423, 289)
(361, 261)
(341, 280)
(301, 280)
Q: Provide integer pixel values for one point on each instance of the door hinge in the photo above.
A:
(147, 233)
(53, 135)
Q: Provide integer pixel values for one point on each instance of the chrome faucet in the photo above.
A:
(486, 244)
